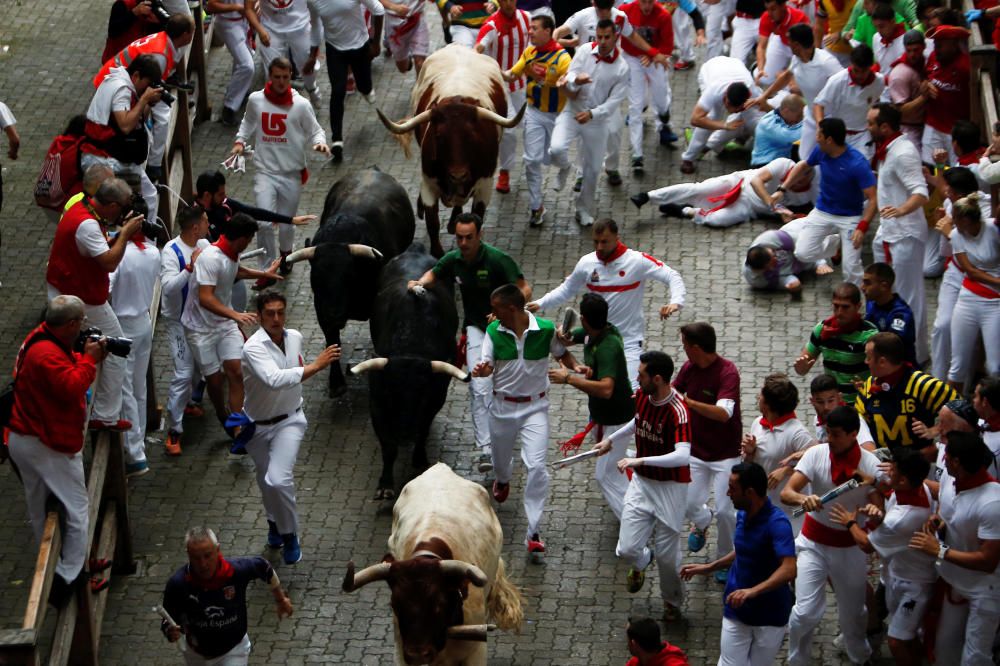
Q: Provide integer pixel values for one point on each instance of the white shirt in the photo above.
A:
(775, 445)
(583, 24)
(970, 515)
(284, 15)
(983, 251)
(842, 99)
(622, 283)
(133, 282)
(215, 269)
(992, 441)
(899, 177)
(715, 77)
(815, 465)
(520, 377)
(778, 168)
(281, 135)
(90, 239)
(6, 117)
(343, 22)
(114, 94)
(272, 377)
(811, 76)
(174, 277)
(886, 55)
(892, 541)
(607, 88)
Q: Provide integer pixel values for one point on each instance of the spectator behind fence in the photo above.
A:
(79, 265)
(46, 429)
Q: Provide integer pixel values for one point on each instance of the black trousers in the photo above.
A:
(338, 62)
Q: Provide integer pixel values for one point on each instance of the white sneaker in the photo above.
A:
(584, 218)
(370, 97)
(562, 178)
(314, 95)
(838, 642)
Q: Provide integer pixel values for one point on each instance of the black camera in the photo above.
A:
(150, 227)
(171, 84)
(117, 346)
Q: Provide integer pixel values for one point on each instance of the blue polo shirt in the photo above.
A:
(842, 181)
(773, 138)
(895, 317)
(761, 542)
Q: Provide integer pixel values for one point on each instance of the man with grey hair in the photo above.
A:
(207, 602)
(80, 263)
(778, 130)
(46, 430)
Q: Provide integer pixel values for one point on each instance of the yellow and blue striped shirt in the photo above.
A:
(544, 95)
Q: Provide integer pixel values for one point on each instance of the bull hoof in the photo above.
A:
(385, 494)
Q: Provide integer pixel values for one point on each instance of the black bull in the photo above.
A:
(367, 219)
(414, 339)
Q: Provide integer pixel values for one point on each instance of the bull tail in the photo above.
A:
(504, 604)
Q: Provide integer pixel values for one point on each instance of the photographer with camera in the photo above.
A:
(132, 286)
(46, 428)
(80, 263)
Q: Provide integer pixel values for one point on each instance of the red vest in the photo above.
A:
(155, 44)
(69, 271)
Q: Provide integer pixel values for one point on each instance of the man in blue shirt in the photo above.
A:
(758, 594)
(777, 131)
(886, 309)
(846, 203)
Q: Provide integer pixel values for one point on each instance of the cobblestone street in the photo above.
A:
(576, 603)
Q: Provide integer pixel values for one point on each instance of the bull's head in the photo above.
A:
(427, 598)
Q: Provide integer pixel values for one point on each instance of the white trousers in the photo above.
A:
(906, 601)
(698, 195)
(158, 137)
(974, 315)
(951, 286)
(744, 40)
(593, 137)
(480, 388)
(907, 259)
(294, 45)
(746, 645)
(776, 60)
(655, 81)
(46, 472)
(614, 484)
(845, 568)
(464, 35)
(538, 127)
(134, 386)
(715, 21)
(966, 631)
(279, 193)
(238, 656)
(108, 394)
(234, 34)
(684, 36)
(633, 350)
(933, 261)
(716, 140)
(715, 476)
(274, 449)
(654, 508)
(528, 421)
(812, 245)
(181, 381)
(508, 144)
(936, 140)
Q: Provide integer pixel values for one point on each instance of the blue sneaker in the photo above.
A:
(721, 576)
(696, 540)
(667, 136)
(136, 469)
(274, 539)
(290, 550)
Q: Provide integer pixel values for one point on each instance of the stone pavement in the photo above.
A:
(576, 604)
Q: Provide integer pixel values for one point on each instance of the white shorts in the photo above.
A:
(210, 350)
(906, 601)
(406, 40)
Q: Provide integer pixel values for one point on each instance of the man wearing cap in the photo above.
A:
(944, 95)
(904, 81)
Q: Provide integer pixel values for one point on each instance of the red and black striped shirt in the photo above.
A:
(658, 428)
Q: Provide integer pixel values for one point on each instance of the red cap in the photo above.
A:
(948, 32)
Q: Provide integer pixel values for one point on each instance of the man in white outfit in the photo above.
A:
(233, 21)
(282, 126)
(848, 95)
(287, 27)
(273, 371)
(620, 275)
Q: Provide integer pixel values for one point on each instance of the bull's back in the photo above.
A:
(380, 200)
(455, 71)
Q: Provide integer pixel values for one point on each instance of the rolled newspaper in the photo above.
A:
(253, 253)
(570, 318)
(834, 493)
(162, 612)
(572, 460)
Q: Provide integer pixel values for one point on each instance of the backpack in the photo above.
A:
(61, 176)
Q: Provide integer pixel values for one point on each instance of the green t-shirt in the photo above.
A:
(492, 268)
(864, 30)
(605, 355)
(843, 356)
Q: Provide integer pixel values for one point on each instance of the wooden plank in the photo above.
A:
(116, 491)
(95, 481)
(83, 648)
(105, 549)
(62, 639)
(19, 647)
(45, 569)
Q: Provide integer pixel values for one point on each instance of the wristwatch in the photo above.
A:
(942, 551)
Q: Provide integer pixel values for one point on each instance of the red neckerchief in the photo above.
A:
(274, 98)
(778, 421)
(607, 58)
(918, 66)
(505, 24)
(912, 497)
(973, 481)
(138, 239)
(879, 383)
(993, 423)
(552, 45)
(227, 249)
(882, 149)
(869, 78)
(617, 252)
(971, 158)
(831, 329)
(223, 573)
(897, 31)
(843, 466)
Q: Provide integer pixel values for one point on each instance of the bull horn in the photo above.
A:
(359, 250)
(406, 125)
(470, 632)
(370, 364)
(305, 254)
(459, 568)
(449, 369)
(371, 574)
(486, 114)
